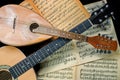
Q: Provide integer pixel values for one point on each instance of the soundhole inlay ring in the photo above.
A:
(4, 73)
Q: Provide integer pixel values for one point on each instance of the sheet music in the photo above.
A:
(103, 69)
(65, 74)
(80, 53)
(62, 14)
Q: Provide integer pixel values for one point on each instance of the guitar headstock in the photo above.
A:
(98, 16)
(103, 43)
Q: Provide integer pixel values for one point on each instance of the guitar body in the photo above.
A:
(9, 56)
(15, 22)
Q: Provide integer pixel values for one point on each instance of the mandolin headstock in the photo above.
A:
(102, 42)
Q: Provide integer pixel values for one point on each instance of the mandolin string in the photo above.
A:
(12, 19)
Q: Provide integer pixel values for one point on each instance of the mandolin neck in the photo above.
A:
(59, 33)
(45, 51)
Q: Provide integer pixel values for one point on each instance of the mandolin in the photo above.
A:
(15, 25)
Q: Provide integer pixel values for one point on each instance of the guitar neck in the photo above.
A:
(45, 51)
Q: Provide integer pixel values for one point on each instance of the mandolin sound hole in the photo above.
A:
(5, 75)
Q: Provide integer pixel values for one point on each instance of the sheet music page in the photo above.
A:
(103, 69)
(77, 53)
(64, 74)
(62, 14)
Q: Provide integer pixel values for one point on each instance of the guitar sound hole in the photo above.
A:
(5, 75)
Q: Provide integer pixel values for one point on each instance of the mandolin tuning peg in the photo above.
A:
(111, 38)
(101, 51)
(99, 34)
(107, 37)
(103, 35)
(105, 51)
(109, 52)
(97, 51)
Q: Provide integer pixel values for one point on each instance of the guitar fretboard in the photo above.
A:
(45, 51)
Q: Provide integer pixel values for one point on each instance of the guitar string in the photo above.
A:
(5, 77)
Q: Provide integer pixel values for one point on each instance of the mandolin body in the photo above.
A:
(9, 56)
(15, 22)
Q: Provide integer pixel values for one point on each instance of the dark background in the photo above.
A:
(114, 4)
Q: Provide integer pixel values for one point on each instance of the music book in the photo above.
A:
(62, 14)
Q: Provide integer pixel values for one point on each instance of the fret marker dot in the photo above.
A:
(47, 49)
(56, 44)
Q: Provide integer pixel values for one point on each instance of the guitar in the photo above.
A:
(15, 64)
(15, 25)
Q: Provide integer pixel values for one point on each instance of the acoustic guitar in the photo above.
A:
(15, 25)
(14, 66)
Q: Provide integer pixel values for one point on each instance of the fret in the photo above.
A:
(87, 24)
(34, 58)
(40, 53)
(28, 61)
(48, 48)
(18, 68)
(31, 60)
(43, 52)
(14, 70)
(24, 66)
(37, 56)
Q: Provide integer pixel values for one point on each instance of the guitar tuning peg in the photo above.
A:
(100, 20)
(101, 10)
(95, 13)
(112, 14)
(106, 5)
(106, 16)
